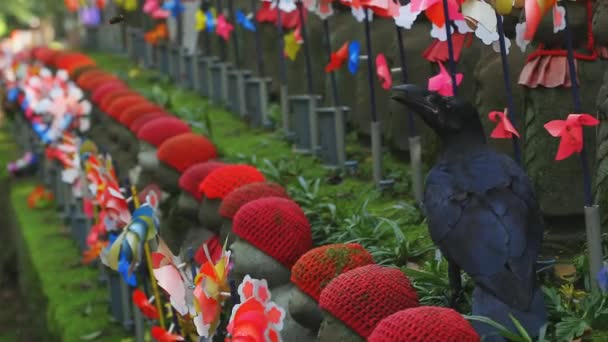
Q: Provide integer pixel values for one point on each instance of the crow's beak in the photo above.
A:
(419, 100)
(415, 97)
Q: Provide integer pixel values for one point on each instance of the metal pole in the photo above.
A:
(235, 41)
(592, 215)
(300, 6)
(507, 80)
(448, 29)
(258, 43)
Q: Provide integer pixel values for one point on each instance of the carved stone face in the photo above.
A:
(208, 214)
(250, 260)
(187, 206)
(333, 330)
(167, 177)
(146, 157)
(305, 310)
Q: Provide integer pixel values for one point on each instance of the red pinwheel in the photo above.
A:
(571, 133)
(144, 305)
(383, 72)
(162, 335)
(337, 59)
(504, 129)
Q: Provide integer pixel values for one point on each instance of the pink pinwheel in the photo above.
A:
(442, 82)
(223, 28)
(571, 133)
(433, 10)
(504, 129)
(153, 9)
(169, 273)
(383, 72)
(256, 318)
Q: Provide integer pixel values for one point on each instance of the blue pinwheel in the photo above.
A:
(174, 7)
(12, 94)
(210, 21)
(354, 50)
(125, 253)
(244, 21)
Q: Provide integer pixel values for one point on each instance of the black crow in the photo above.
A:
(482, 214)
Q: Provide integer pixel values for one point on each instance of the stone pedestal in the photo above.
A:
(203, 77)
(303, 109)
(186, 79)
(236, 91)
(219, 83)
(331, 128)
(256, 101)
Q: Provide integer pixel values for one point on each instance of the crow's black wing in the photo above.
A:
(481, 214)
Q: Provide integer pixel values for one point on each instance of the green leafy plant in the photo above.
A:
(520, 336)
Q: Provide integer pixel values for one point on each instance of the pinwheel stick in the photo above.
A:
(507, 79)
(370, 67)
(332, 76)
(452, 62)
(283, 63)
(300, 6)
(157, 302)
(404, 77)
(220, 39)
(376, 128)
(235, 41)
(414, 140)
(592, 215)
(258, 43)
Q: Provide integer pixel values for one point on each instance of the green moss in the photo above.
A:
(65, 293)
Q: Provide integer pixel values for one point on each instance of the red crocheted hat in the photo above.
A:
(247, 193)
(185, 150)
(89, 74)
(157, 131)
(424, 324)
(123, 103)
(276, 226)
(91, 82)
(130, 114)
(102, 90)
(195, 174)
(362, 297)
(319, 266)
(223, 181)
(111, 96)
(138, 123)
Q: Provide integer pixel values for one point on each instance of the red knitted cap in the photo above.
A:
(362, 297)
(120, 105)
(185, 150)
(106, 88)
(223, 181)
(92, 81)
(195, 174)
(44, 54)
(247, 193)
(130, 114)
(276, 226)
(157, 131)
(319, 266)
(111, 96)
(424, 324)
(89, 74)
(138, 123)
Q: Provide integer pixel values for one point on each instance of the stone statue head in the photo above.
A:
(241, 196)
(359, 299)
(313, 271)
(217, 185)
(271, 234)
